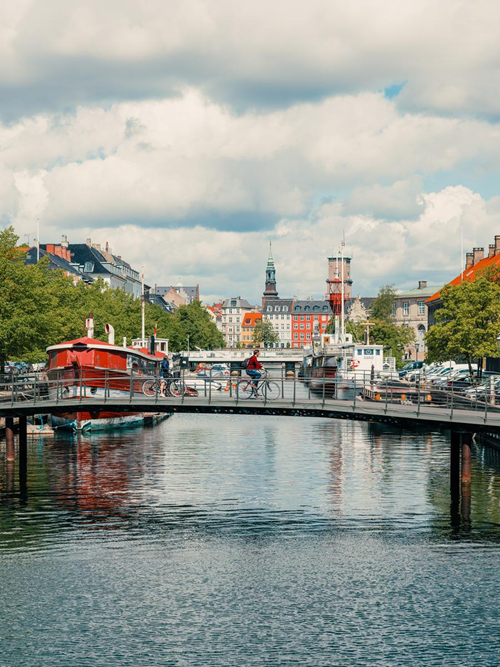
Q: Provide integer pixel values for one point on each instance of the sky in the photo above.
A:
(190, 133)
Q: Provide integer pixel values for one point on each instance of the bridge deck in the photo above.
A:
(425, 415)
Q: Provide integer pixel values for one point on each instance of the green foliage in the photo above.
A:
(468, 323)
(264, 333)
(41, 307)
(381, 308)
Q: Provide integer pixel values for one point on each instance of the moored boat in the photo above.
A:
(86, 368)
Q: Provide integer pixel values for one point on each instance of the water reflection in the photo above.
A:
(245, 476)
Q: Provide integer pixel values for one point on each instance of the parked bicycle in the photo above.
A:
(266, 389)
(171, 387)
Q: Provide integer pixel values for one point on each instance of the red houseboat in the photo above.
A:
(90, 368)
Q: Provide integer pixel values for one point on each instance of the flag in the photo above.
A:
(156, 328)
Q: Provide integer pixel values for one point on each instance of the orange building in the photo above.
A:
(247, 328)
(475, 263)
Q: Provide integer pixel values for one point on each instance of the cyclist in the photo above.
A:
(253, 369)
(164, 373)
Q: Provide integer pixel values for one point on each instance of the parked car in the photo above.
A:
(411, 366)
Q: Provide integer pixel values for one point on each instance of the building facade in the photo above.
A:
(309, 316)
(186, 294)
(232, 313)
(410, 309)
(248, 327)
(99, 262)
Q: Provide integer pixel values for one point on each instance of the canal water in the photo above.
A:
(235, 540)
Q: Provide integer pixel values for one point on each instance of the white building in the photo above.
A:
(232, 314)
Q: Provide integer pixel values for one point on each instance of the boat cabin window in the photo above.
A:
(369, 352)
(359, 352)
(377, 352)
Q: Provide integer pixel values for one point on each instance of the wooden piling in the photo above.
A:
(10, 452)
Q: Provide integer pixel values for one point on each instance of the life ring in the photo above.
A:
(354, 363)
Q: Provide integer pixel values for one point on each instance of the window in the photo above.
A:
(315, 308)
(301, 336)
(394, 309)
(89, 267)
(233, 304)
(269, 309)
(295, 335)
(297, 308)
(285, 309)
(325, 307)
(421, 308)
(276, 308)
(308, 335)
(360, 352)
(377, 352)
(230, 319)
(302, 325)
(307, 308)
(406, 308)
(295, 325)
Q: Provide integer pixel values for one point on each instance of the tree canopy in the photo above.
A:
(40, 307)
(467, 324)
(264, 333)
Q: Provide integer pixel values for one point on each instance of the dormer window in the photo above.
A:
(307, 308)
(89, 267)
(297, 308)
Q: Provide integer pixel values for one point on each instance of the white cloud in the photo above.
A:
(189, 160)
(57, 53)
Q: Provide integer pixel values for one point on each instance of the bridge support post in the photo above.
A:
(10, 452)
(455, 452)
(466, 478)
(23, 448)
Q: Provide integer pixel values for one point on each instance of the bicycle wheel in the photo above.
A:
(176, 388)
(243, 389)
(149, 387)
(270, 390)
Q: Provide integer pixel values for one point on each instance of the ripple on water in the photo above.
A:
(230, 540)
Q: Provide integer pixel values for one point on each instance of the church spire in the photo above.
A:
(270, 291)
(270, 259)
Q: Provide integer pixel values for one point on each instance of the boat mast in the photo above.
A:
(143, 313)
(342, 315)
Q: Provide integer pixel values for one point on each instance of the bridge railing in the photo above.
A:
(76, 389)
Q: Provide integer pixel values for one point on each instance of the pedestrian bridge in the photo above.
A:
(451, 417)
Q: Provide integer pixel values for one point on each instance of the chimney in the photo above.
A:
(422, 284)
(107, 246)
(468, 260)
(491, 250)
(89, 242)
(64, 242)
(50, 248)
(478, 254)
(68, 255)
(497, 245)
(58, 250)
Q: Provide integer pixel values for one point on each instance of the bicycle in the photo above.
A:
(266, 389)
(173, 387)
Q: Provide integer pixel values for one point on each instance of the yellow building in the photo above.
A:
(247, 328)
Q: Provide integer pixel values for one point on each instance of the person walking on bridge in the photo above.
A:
(253, 369)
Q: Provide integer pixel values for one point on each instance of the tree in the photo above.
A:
(40, 307)
(264, 333)
(468, 323)
(382, 307)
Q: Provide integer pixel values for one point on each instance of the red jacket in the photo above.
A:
(253, 363)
